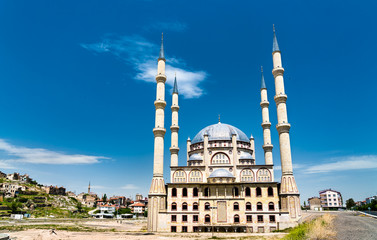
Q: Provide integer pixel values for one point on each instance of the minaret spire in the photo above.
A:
(157, 192)
(266, 125)
(174, 149)
(290, 196)
(275, 45)
(162, 54)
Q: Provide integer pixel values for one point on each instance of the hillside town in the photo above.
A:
(21, 196)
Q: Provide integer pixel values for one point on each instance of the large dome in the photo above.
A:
(220, 131)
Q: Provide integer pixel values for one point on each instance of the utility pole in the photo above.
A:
(212, 218)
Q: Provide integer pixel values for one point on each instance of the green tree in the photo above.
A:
(15, 206)
(104, 198)
(79, 207)
(350, 203)
(146, 213)
(124, 210)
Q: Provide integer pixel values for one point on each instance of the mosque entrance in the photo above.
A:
(221, 211)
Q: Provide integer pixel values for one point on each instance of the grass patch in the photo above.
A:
(319, 228)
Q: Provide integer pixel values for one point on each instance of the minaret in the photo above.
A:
(174, 149)
(290, 197)
(89, 188)
(157, 193)
(267, 146)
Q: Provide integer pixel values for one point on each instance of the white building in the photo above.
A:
(330, 199)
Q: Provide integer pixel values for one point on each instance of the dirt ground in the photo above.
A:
(128, 229)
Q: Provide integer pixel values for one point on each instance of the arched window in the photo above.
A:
(184, 206)
(220, 158)
(184, 192)
(259, 206)
(195, 192)
(248, 206)
(271, 206)
(179, 176)
(264, 175)
(195, 206)
(206, 206)
(174, 206)
(206, 192)
(270, 192)
(195, 176)
(258, 192)
(207, 219)
(174, 192)
(236, 206)
(248, 192)
(247, 175)
(236, 218)
(236, 192)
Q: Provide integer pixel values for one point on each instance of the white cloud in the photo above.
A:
(142, 55)
(42, 156)
(129, 187)
(295, 166)
(345, 163)
(4, 164)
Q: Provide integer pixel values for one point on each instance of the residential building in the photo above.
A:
(315, 203)
(330, 199)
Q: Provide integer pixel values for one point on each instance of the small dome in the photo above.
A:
(245, 155)
(196, 156)
(221, 173)
(220, 131)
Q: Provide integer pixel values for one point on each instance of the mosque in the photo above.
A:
(222, 188)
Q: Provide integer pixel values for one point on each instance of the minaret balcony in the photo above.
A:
(175, 108)
(281, 98)
(283, 127)
(174, 150)
(159, 132)
(278, 71)
(161, 78)
(264, 104)
(266, 125)
(174, 128)
(268, 147)
(159, 104)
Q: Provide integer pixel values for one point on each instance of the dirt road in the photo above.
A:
(354, 226)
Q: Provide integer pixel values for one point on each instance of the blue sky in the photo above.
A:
(77, 87)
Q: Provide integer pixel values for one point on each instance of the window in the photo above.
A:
(220, 158)
(173, 229)
(184, 192)
(236, 218)
(263, 175)
(195, 218)
(195, 206)
(260, 218)
(259, 206)
(174, 192)
(184, 206)
(206, 206)
(195, 176)
(270, 192)
(247, 175)
(207, 219)
(174, 206)
(184, 218)
(258, 192)
(249, 218)
(206, 192)
(195, 192)
(236, 192)
(173, 218)
(248, 192)
(195, 229)
(272, 218)
(179, 176)
(271, 206)
(248, 206)
(184, 228)
(236, 207)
